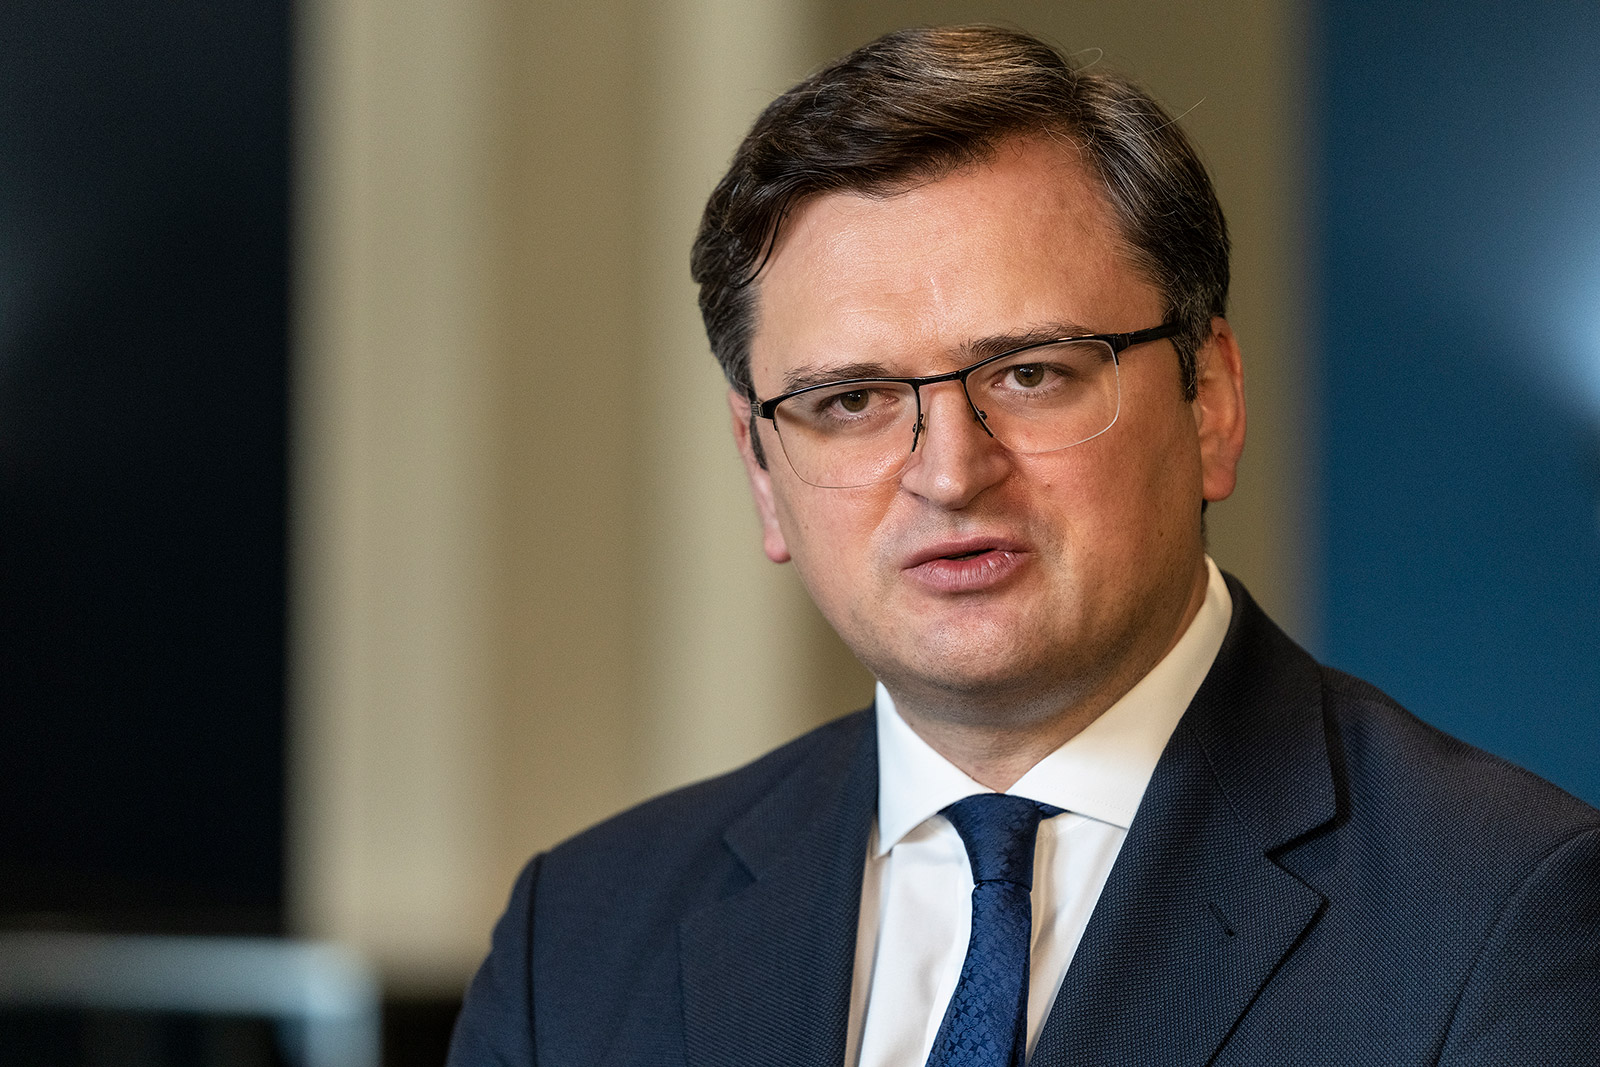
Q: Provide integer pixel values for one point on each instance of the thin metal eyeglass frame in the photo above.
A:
(1117, 342)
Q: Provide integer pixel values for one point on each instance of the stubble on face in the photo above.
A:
(1005, 659)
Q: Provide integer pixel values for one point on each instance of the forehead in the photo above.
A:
(1022, 240)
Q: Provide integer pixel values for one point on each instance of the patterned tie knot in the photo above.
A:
(999, 830)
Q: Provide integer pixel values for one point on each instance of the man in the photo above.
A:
(970, 302)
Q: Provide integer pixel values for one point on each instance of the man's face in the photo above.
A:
(977, 574)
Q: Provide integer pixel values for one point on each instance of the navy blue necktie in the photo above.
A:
(986, 1024)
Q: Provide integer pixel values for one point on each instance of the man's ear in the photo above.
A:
(1219, 410)
(760, 480)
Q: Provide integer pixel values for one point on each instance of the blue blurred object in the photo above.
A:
(1460, 220)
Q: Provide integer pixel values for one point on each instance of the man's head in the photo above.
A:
(917, 104)
(853, 240)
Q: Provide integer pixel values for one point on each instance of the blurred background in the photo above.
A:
(368, 516)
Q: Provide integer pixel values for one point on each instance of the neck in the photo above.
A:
(997, 737)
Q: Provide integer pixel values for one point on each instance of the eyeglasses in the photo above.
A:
(1040, 397)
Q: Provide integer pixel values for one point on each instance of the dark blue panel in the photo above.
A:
(144, 253)
(1460, 217)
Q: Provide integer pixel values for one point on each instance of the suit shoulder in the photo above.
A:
(1394, 758)
(695, 816)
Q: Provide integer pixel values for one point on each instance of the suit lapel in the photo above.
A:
(1196, 915)
(767, 970)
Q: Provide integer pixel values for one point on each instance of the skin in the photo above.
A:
(1090, 560)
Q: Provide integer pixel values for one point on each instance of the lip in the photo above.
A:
(985, 563)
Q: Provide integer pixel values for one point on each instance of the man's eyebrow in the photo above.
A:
(993, 345)
(812, 374)
(982, 348)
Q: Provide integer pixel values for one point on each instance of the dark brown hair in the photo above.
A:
(917, 104)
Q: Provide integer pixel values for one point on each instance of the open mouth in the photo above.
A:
(974, 569)
(967, 550)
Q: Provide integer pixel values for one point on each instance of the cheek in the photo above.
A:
(1163, 448)
(829, 530)
(1118, 491)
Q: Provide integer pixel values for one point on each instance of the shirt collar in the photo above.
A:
(1101, 772)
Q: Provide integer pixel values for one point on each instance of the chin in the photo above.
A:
(974, 672)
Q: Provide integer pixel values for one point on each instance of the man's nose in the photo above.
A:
(956, 459)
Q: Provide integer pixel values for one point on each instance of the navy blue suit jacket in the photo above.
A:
(1314, 877)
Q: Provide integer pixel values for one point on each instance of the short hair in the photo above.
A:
(917, 104)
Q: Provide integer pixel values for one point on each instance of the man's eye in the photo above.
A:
(1029, 375)
(865, 400)
(855, 402)
(853, 406)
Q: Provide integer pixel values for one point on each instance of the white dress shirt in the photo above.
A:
(916, 897)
